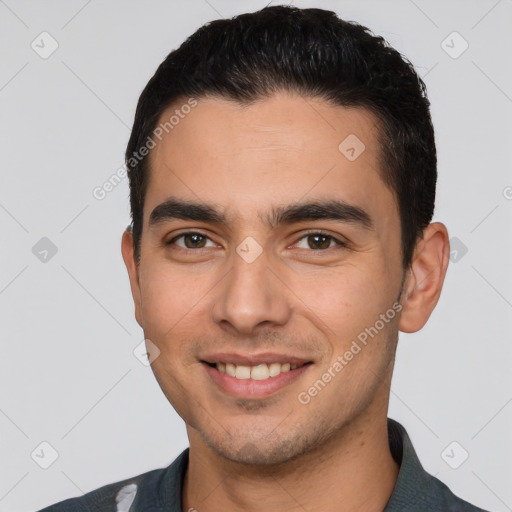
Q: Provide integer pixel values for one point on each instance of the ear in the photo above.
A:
(425, 277)
(133, 271)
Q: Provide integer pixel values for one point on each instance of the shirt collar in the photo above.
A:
(412, 478)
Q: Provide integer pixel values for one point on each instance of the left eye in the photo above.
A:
(318, 241)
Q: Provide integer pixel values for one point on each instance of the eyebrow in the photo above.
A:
(337, 210)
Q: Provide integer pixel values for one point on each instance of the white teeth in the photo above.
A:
(258, 372)
(274, 369)
(230, 369)
(243, 372)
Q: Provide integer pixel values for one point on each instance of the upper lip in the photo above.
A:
(254, 359)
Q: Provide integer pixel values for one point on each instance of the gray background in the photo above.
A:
(68, 375)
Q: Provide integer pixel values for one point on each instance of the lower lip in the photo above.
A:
(249, 388)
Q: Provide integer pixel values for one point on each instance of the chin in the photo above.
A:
(266, 449)
(256, 454)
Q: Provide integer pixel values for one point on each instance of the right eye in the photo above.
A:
(191, 240)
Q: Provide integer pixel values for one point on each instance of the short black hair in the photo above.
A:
(316, 54)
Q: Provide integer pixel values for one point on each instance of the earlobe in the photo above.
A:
(133, 271)
(425, 277)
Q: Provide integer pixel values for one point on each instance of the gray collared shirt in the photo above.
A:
(160, 490)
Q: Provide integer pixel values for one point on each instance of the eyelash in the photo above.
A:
(340, 244)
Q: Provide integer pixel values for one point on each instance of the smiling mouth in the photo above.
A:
(258, 372)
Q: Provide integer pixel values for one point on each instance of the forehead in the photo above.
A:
(276, 150)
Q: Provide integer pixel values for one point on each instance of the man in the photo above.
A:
(282, 171)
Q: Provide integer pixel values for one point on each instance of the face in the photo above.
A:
(286, 274)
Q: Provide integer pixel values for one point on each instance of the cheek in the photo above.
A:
(171, 307)
(169, 300)
(344, 301)
(357, 317)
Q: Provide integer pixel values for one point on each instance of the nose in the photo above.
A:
(250, 296)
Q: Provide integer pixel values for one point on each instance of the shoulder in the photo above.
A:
(447, 501)
(415, 489)
(153, 491)
(106, 498)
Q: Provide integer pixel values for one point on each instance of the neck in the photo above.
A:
(353, 470)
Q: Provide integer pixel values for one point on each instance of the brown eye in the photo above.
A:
(318, 241)
(194, 240)
(190, 240)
